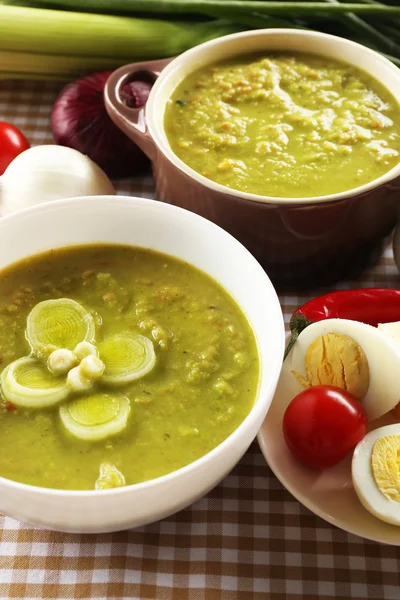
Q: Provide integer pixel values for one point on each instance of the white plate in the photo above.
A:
(329, 494)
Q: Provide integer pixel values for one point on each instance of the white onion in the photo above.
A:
(50, 172)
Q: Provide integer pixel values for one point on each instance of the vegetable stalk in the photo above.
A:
(46, 43)
(225, 7)
(358, 25)
(57, 66)
(112, 38)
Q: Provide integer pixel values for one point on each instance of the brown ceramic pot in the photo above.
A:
(301, 242)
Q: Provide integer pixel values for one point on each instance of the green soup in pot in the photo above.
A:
(284, 125)
(171, 367)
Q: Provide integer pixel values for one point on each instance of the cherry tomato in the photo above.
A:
(322, 424)
(12, 143)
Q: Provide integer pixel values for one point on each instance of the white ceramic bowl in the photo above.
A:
(174, 231)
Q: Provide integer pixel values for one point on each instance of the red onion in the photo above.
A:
(79, 120)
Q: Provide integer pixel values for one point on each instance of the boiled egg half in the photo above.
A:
(375, 472)
(359, 358)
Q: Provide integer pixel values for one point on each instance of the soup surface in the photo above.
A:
(202, 386)
(284, 125)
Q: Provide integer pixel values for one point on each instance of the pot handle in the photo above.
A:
(132, 121)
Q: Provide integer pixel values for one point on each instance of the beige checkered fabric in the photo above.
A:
(249, 539)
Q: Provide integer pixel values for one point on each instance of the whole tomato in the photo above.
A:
(322, 424)
(12, 143)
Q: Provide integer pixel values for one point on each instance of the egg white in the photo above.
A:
(382, 352)
(363, 479)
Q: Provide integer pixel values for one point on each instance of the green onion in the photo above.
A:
(225, 7)
(391, 31)
(359, 26)
(256, 20)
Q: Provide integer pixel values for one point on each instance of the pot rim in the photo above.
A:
(160, 139)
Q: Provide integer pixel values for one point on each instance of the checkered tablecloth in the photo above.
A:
(248, 539)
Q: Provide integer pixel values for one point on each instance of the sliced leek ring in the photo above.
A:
(126, 357)
(27, 382)
(95, 417)
(61, 323)
(109, 477)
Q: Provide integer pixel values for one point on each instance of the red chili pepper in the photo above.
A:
(368, 305)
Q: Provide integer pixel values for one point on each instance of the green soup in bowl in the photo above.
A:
(140, 349)
(120, 365)
(288, 125)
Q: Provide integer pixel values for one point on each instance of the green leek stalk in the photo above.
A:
(81, 34)
(61, 44)
(56, 44)
(22, 65)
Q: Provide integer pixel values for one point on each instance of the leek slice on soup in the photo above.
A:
(109, 477)
(95, 417)
(126, 358)
(61, 323)
(27, 382)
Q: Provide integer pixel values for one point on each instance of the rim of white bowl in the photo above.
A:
(257, 408)
(160, 138)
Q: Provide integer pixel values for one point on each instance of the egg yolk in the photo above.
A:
(385, 462)
(338, 360)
